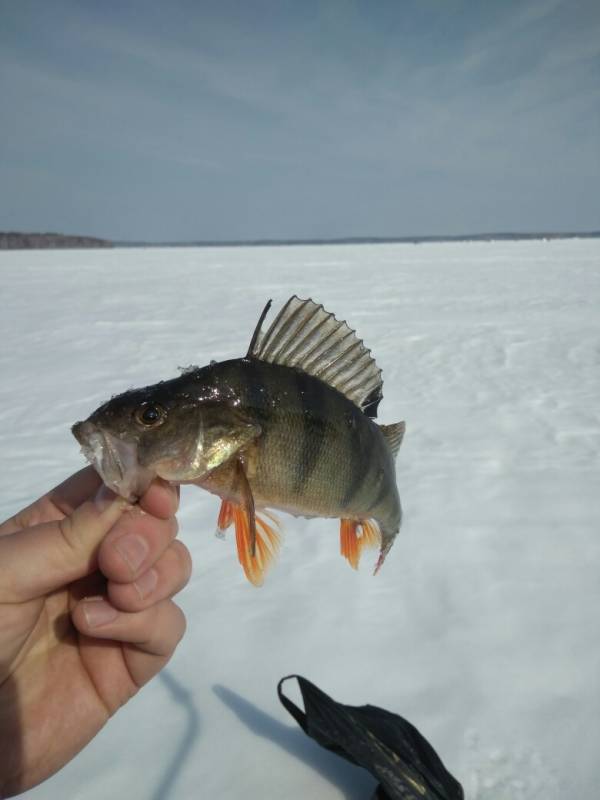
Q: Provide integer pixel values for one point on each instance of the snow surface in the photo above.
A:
(482, 628)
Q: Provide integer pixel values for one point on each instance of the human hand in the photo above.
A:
(86, 617)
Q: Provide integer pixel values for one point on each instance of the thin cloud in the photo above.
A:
(348, 112)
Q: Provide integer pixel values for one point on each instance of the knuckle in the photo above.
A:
(66, 528)
(9, 587)
(171, 620)
(119, 529)
(23, 519)
(113, 563)
(181, 624)
(182, 552)
(123, 596)
(184, 561)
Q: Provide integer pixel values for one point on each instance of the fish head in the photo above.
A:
(163, 430)
(139, 435)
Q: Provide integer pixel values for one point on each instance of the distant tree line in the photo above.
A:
(27, 241)
(47, 241)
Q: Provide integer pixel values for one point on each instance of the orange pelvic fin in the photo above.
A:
(256, 534)
(225, 517)
(265, 543)
(356, 536)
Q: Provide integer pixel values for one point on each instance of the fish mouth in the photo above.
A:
(114, 459)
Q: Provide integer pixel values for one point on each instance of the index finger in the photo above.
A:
(57, 503)
(161, 499)
(70, 494)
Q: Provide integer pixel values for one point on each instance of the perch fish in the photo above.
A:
(290, 426)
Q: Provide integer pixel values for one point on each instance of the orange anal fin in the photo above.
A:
(357, 536)
(349, 541)
(266, 544)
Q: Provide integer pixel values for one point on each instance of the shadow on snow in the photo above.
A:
(355, 783)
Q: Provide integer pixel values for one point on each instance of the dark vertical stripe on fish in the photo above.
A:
(254, 387)
(362, 451)
(312, 400)
(381, 494)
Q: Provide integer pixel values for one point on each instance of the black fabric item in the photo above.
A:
(387, 745)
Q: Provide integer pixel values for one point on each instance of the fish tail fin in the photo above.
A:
(356, 536)
(266, 546)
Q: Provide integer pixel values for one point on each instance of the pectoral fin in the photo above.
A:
(222, 434)
(218, 443)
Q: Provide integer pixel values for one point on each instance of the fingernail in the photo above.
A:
(98, 612)
(146, 583)
(133, 549)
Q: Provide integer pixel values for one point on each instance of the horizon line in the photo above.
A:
(32, 240)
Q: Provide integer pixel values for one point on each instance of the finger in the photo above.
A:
(40, 559)
(70, 494)
(135, 543)
(153, 634)
(167, 577)
(57, 503)
(161, 499)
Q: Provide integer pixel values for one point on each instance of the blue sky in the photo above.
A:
(196, 120)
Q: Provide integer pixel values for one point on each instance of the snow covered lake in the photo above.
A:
(482, 628)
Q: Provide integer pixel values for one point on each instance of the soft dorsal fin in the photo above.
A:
(393, 434)
(305, 336)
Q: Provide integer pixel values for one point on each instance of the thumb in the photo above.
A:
(40, 559)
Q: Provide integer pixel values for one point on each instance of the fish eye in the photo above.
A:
(150, 415)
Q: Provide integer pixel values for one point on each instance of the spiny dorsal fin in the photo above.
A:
(393, 434)
(305, 336)
(256, 333)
